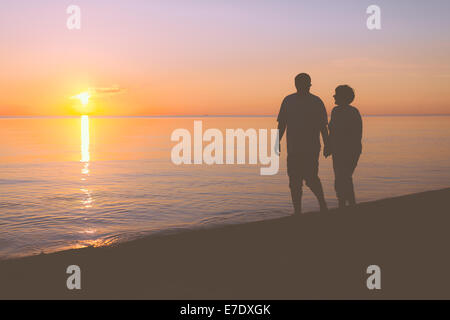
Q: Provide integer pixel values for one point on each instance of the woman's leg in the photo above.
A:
(339, 179)
(351, 190)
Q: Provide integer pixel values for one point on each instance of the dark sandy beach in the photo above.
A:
(316, 255)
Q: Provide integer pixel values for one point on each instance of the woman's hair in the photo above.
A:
(345, 94)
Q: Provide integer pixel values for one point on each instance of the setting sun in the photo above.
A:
(83, 97)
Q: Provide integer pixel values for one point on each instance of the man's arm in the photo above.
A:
(281, 130)
(282, 120)
(325, 138)
(324, 130)
(325, 134)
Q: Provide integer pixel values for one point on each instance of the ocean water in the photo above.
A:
(86, 181)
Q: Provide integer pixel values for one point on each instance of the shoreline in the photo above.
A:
(312, 256)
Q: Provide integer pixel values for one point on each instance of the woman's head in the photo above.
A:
(344, 95)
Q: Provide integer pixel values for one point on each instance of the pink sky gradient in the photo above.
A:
(221, 57)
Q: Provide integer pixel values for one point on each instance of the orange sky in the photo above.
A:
(221, 57)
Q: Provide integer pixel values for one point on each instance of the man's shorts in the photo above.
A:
(303, 165)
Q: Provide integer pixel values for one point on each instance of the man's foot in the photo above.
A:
(297, 207)
(341, 204)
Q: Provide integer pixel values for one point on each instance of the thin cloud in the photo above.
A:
(106, 91)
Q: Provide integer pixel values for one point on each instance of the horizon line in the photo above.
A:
(210, 116)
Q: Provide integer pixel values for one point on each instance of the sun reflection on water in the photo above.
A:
(85, 158)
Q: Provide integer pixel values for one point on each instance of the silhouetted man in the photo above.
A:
(305, 117)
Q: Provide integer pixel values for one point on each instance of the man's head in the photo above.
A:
(303, 82)
(344, 95)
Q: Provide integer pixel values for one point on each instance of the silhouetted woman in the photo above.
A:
(345, 143)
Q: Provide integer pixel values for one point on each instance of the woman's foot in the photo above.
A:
(323, 206)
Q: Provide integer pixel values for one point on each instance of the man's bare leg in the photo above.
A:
(295, 184)
(316, 187)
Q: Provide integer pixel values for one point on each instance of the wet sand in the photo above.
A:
(312, 256)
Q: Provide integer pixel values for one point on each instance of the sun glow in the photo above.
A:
(85, 139)
(83, 97)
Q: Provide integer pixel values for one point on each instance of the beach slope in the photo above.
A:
(315, 255)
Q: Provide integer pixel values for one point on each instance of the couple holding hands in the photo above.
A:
(304, 118)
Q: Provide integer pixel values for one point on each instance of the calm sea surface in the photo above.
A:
(76, 182)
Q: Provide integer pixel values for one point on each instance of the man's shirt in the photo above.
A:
(305, 116)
